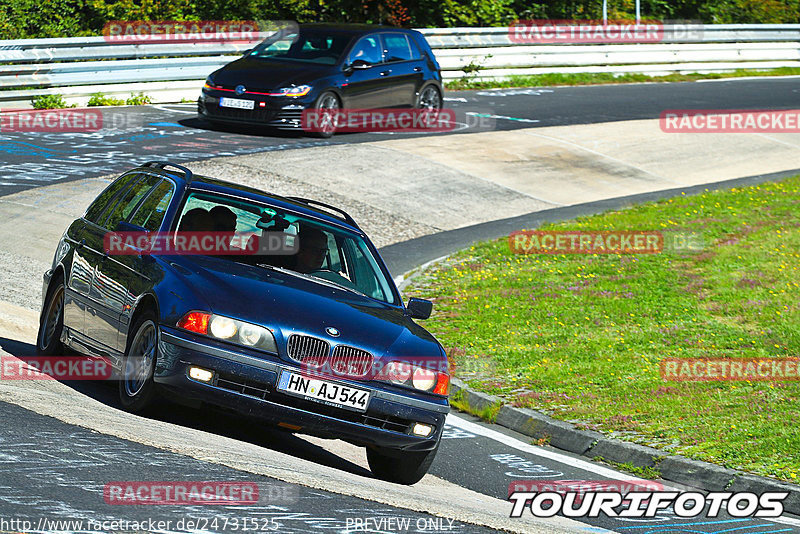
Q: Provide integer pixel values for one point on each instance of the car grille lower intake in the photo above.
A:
(262, 391)
(350, 361)
(308, 350)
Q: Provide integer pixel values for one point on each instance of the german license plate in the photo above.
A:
(237, 103)
(330, 393)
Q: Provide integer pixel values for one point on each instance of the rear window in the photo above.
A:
(130, 200)
(98, 207)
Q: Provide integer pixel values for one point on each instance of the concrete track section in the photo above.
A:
(405, 188)
(137, 134)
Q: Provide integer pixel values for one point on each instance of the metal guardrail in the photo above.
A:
(77, 67)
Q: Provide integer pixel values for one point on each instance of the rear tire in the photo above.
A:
(51, 323)
(400, 467)
(137, 390)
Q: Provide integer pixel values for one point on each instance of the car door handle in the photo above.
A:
(386, 72)
(417, 69)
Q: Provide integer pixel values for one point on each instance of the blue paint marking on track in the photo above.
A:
(743, 520)
(162, 124)
(677, 527)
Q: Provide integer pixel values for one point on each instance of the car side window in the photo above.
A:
(98, 207)
(130, 200)
(152, 211)
(367, 49)
(396, 47)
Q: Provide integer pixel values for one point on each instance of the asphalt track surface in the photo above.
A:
(132, 135)
(55, 470)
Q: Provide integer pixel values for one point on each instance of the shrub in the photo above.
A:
(50, 102)
(138, 100)
(99, 99)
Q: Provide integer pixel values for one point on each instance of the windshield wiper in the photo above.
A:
(323, 281)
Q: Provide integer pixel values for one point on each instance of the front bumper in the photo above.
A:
(282, 113)
(246, 384)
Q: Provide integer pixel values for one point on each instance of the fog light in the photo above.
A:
(203, 375)
(420, 429)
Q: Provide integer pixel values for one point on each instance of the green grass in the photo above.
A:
(580, 337)
(488, 413)
(581, 78)
(646, 473)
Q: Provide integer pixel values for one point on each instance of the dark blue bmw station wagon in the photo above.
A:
(313, 338)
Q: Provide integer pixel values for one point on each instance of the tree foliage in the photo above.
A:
(64, 18)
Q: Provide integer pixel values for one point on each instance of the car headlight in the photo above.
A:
(209, 83)
(421, 378)
(227, 329)
(296, 90)
(222, 327)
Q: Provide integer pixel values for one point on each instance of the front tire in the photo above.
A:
(400, 467)
(430, 99)
(51, 324)
(137, 390)
(326, 107)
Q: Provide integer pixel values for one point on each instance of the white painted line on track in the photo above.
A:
(165, 107)
(504, 117)
(749, 78)
(577, 463)
(537, 451)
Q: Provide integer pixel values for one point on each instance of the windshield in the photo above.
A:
(304, 246)
(317, 46)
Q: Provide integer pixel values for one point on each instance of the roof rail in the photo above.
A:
(309, 202)
(161, 164)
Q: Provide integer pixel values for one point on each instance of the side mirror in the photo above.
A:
(419, 308)
(358, 64)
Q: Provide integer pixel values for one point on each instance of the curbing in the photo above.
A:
(563, 435)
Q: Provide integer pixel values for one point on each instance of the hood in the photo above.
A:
(264, 74)
(291, 304)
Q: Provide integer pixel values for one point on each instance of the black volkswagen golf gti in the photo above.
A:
(317, 341)
(327, 68)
